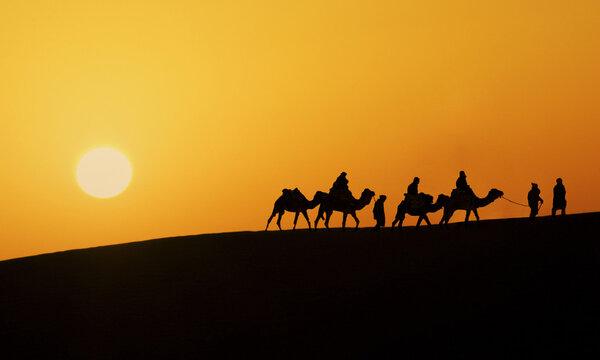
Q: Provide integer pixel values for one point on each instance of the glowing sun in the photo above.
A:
(103, 172)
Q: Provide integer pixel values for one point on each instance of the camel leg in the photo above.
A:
(270, 218)
(421, 218)
(426, 218)
(476, 214)
(279, 220)
(344, 221)
(446, 217)
(319, 216)
(355, 218)
(444, 214)
(295, 220)
(306, 217)
(400, 216)
(397, 219)
(467, 216)
(327, 217)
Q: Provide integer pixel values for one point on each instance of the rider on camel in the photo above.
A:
(340, 186)
(413, 188)
(461, 183)
(412, 192)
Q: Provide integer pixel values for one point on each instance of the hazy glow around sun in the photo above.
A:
(103, 172)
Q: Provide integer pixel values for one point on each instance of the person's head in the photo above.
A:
(534, 185)
(382, 197)
(416, 180)
(462, 174)
(343, 174)
(559, 181)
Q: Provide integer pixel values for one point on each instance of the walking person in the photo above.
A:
(559, 202)
(533, 198)
(379, 213)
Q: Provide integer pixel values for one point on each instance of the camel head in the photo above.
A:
(495, 193)
(367, 194)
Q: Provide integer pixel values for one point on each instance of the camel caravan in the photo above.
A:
(418, 204)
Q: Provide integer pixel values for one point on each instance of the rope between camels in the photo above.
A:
(514, 202)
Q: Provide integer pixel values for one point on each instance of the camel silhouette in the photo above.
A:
(294, 201)
(424, 205)
(346, 205)
(467, 200)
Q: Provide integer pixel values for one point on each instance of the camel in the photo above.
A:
(294, 201)
(347, 206)
(424, 205)
(467, 201)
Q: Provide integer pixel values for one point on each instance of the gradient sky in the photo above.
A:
(219, 105)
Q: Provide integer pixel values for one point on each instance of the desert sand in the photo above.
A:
(509, 288)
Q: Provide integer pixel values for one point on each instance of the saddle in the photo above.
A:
(464, 194)
(340, 194)
(418, 201)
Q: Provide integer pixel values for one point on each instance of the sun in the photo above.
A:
(103, 172)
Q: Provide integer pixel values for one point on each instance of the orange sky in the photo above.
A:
(219, 105)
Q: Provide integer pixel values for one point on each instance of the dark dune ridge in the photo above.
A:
(504, 288)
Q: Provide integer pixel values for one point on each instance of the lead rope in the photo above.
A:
(514, 202)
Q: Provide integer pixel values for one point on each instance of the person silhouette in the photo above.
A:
(413, 188)
(559, 202)
(412, 192)
(533, 198)
(339, 189)
(461, 182)
(341, 183)
(379, 213)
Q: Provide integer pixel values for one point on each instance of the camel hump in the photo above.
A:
(298, 194)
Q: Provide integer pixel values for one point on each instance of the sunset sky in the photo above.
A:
(218, 105)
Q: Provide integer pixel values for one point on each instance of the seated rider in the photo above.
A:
(340, 186)
(412, 192)
(461, 183)
(413, 188)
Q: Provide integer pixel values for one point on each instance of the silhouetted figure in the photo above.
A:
(533, 198)
(461, 182)
(559, 202)
(379, 213)
(340, 187)
(341, 183)
(412, 192)
(413, 188)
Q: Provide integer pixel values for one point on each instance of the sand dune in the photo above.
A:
(503, 288)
